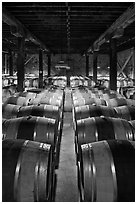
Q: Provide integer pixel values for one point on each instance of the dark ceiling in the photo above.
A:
(65, 27)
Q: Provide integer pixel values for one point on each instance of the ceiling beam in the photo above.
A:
(18, 29)
(122, 22)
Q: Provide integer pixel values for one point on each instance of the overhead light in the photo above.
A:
(61, 65)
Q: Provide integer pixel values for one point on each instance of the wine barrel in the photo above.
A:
(80, 95)
(102, 128)
(15, 81)
(120, 102)
(107, 171)
(5, 81)
(21, 101)
(88, 101)
(10, 111)
(29, 82)
(35, 82)
(27, 172)
(27, 95)
(5, 94)
(47, 100)
(125, 112)
(88, 111)
(107, 96)
(32, 128)
(47, 111)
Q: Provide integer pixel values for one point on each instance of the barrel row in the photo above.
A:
(10, 85)
(88, 111)
(102, 82)
(52, 95)
(107, 98)
(104, 147)
(97, 164)
(33, 81)
(31, 145)
(11, 110)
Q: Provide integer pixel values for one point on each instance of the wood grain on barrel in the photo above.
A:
(30, 175)
(108, 171)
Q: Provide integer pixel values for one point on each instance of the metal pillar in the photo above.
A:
(40, 69)
(95, 61)
(20, 64)
(87, 65)
(10, 63)
(49, 64)
(113, 65)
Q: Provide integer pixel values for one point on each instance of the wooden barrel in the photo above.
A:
(125, 112)
(27, 95)
(107, 171)
(32, 128)
(27, 173)
(47, 111)
(29, 82)
(21, 101)
(13, 89)
(35, 83)
(47, 100)
(5, 81)
(10, 111)
(5, 94)
(102, 128)
(15, 81)
(120, 102)
(88, 111)
(88, 101)
(81, 94)
(107, 96)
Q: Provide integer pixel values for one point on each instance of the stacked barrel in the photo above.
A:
(32, 127)
(60, 81)
(126, 87)
(104, 124)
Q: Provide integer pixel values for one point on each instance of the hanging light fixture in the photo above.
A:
(61, 64)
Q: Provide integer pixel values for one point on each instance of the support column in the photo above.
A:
(87, 65)
(10, 63)
(40, 69)
(20, 65)
(6, 64)
(49, 64)
(133, 63)
(95, 61)
(113, 65)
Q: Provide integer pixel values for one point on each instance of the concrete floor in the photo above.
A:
(67, 190)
